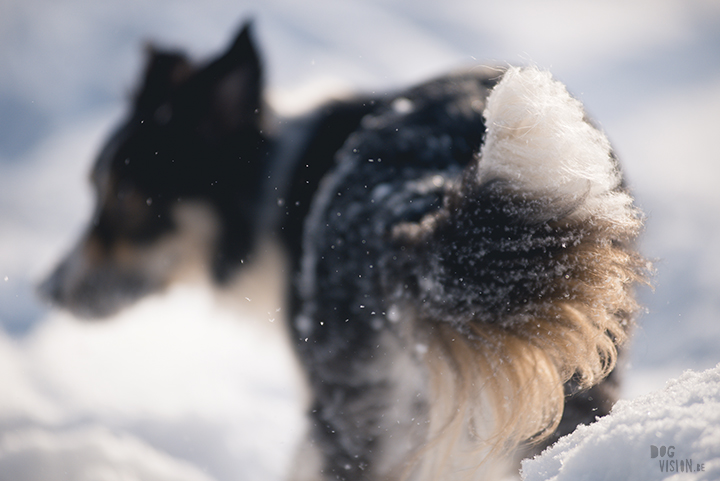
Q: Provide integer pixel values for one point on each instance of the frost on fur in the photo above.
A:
(525, 275)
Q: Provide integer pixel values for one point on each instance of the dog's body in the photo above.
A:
(451, 286)
(405, 255)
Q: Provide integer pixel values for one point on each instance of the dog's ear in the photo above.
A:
(163, 71)
(234, 84)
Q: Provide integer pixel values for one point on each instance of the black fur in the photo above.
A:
(194, 134)
(335, 122)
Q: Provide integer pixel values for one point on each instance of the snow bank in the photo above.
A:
(88, 454)
(671, 434)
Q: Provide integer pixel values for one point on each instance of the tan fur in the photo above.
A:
(502, 386)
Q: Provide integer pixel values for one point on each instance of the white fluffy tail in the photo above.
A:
(540, 141)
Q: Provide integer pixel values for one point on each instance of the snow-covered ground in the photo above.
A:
(671, 434)
(183, 386)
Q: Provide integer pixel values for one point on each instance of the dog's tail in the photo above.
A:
(525, 275)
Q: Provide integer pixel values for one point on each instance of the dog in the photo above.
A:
(388, 331)
(194, 176)
(469, 259)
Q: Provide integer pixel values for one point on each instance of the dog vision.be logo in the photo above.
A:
(670, 465)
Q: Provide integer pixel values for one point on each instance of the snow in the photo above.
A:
(669, 434)
(183, 386)
(88, 454)
(177, 374)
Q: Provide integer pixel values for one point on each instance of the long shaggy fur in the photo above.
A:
(499, 278)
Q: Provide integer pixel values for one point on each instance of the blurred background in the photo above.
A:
(183, 387)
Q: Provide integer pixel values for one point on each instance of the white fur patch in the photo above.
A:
(537, 138)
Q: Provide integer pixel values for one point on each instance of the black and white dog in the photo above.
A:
(461, 253)
(193, 178)
(470, 253)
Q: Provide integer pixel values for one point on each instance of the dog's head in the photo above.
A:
(177, 184)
